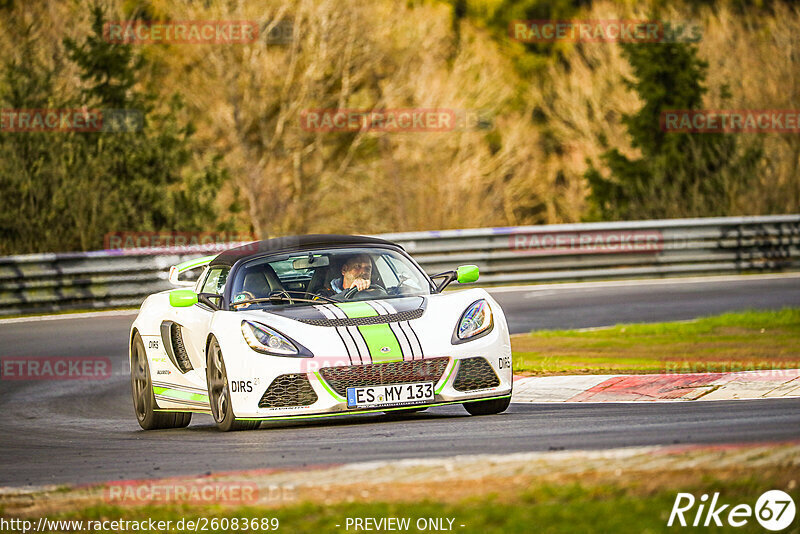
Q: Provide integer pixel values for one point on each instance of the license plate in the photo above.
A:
(391, 395)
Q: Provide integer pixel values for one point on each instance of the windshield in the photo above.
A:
(325, 275)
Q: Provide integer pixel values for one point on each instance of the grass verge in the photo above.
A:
(750, 340)
(546, 508)
(623, 490)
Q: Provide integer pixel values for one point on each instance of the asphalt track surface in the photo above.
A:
(70, 432)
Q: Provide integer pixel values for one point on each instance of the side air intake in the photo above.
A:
(475, 373)
(172, 338)
(288, 391)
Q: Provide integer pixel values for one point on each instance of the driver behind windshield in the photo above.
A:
(356, 272)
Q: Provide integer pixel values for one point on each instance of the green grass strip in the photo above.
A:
(546, 508)
(741, 341)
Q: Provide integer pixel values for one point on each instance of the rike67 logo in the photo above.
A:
(774, 510)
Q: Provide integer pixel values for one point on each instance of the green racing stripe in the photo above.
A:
(183, 395)
(355, 310)
(381, 341)
(337, 414)
(444, 383)
(333, 394)
(192, 264)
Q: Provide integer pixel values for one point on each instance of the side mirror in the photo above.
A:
(466, 274)
(182, 298)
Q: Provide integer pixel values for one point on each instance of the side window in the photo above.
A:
(215, 281)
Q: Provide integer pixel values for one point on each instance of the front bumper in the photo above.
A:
(334, 413)
(267, 387)
(324, 392)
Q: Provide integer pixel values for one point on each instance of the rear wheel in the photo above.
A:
(144, 403)
(219, 395)
(487, 407)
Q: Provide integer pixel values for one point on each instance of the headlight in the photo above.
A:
(262, 338)
(475, 322)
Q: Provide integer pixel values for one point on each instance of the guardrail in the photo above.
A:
(510, 255)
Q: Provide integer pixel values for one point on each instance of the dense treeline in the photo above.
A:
(551, 132)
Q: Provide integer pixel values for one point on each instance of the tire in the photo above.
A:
(219, 395)
(144, 402)
(488, 407)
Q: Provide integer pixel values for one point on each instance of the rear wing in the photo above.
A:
(176, 270)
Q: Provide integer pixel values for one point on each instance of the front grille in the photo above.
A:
(475, 373)
(288, 390)
(377, 374)
(409, 315)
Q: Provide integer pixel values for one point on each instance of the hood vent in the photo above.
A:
(376, 319)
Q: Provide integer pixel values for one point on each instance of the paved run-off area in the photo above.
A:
(74, 432)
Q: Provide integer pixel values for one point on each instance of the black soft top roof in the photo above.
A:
(295, 243)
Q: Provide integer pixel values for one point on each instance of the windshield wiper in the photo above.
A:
(284, 296)
(322, 297)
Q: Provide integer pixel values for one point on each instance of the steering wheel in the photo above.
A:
(378, 289)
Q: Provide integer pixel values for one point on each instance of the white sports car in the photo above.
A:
(315, 326)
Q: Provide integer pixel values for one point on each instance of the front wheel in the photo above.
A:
(487, 407)
(144, 402)
(219, 395)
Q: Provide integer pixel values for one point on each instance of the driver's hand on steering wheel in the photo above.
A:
(360, 283)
